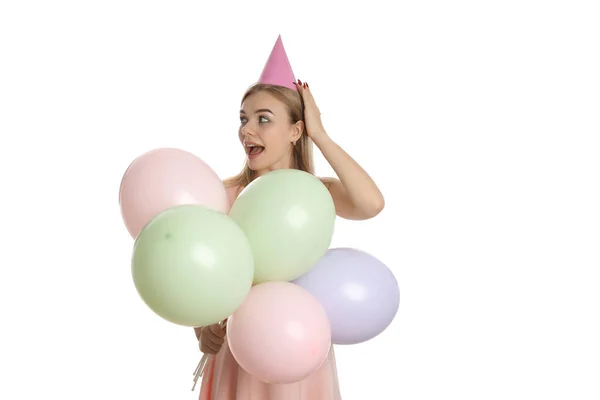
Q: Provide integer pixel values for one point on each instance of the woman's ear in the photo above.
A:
(297, 130)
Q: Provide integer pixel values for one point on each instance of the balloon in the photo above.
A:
(280, 334)
(164, 178)
(288, 215)
(192, 265)
(359, 293)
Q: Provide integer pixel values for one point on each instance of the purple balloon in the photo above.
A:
(359, 293)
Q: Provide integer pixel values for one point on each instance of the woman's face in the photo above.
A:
(266, 132)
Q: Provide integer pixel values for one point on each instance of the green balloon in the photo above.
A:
(289, 216)
(192, 266)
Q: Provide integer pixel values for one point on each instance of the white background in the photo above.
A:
(479, 121)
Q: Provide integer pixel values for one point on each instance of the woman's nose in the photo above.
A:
(246, 131)
(245, 136)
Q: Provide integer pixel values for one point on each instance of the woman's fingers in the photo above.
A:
(209, 348)
(215, 340)
(212, 339)
(217, 330)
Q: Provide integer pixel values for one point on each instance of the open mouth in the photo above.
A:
(253, 150)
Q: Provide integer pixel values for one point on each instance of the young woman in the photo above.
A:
(278, 128)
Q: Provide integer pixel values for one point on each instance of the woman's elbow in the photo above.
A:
(375, 207)
(379, 204)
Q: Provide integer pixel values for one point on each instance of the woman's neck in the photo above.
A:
(285, 163)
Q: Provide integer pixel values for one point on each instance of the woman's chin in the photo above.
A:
(254, 165)
(259, 162)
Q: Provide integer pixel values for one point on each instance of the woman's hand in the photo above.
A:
(312, 114)
(212, 339)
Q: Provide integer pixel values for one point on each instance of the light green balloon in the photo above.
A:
(289, 216)
(192, 266)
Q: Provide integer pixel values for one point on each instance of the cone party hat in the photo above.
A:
(277, 70)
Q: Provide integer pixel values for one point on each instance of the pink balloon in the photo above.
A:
(164, 178)
(280, 333)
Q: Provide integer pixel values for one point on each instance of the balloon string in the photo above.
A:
(199, 371)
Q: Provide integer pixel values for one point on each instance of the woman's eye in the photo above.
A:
(260, 120)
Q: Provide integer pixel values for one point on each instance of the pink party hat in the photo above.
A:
(277, 70)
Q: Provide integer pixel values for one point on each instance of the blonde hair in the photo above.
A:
(302, 156)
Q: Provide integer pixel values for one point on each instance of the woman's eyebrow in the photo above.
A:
(260, 110)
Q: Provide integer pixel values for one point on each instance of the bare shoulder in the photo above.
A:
(335, 188)
(341, 200)
(328, 181)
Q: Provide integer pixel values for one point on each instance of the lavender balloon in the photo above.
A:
(359, 293)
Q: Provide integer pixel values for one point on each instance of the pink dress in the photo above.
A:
(224, 379)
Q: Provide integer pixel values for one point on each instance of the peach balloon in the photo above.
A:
(280, 334)
(164, 178)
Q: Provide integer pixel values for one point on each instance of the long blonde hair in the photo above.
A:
(302, 157)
